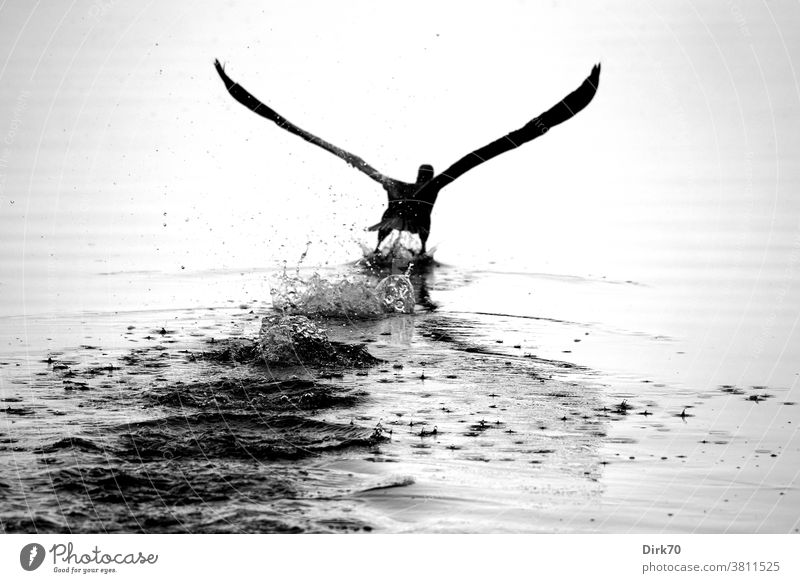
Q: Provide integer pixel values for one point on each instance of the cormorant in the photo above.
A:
(411, 204)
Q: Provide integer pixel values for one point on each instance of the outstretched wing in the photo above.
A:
(561, 112)
(244, 97)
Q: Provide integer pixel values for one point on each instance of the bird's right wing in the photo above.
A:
(538, 126)
(244, 97)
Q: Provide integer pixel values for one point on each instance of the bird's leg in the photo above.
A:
(382, 234)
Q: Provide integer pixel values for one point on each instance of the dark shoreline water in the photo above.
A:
(459, 425)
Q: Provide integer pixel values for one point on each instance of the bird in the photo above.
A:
(410, 204)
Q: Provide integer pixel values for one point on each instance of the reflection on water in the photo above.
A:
(479, 415)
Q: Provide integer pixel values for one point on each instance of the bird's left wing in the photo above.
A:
(244, 97)
(561, 112)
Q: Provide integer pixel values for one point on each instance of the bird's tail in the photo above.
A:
(398, 223)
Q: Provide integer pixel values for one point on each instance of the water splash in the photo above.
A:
(294, 339)
(356, 296)
(396, 294)
(399, 251)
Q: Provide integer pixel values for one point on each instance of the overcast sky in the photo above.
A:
(120, 149)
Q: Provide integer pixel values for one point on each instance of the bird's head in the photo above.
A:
(424, 174)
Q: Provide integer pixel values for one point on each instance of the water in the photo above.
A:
(473, 420)
(608, 342)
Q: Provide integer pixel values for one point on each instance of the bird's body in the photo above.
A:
(409, 215)
(411, 203)
(406, 212)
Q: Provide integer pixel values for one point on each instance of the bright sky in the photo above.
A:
(120, 149)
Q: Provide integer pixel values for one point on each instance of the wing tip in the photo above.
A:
(220, 68)
(594, 77)
(229, 83)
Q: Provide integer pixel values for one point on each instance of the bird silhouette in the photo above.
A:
(411, 203)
